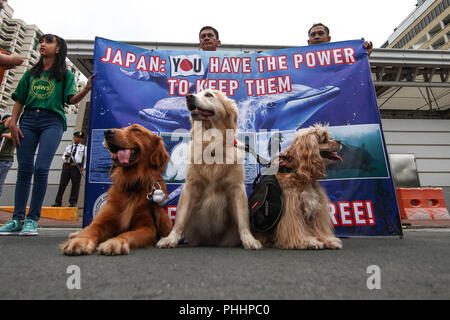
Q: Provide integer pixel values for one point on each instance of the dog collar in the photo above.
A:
(284, 169)
(137, 187)
(235, 144)
(286, 157)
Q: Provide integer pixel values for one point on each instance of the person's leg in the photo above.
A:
(50, 137)
(65, 177)
(75, 176)
(25, 158)
(4, 169)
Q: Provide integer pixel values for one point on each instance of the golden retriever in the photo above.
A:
(305, 222)
(213, 207)
(125, 221)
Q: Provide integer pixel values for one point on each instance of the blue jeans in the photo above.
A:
(43, 128)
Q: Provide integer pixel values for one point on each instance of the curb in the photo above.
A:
(57, 213)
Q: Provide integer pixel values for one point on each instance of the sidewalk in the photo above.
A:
(53, 223)
(414, 224)
(46, 223)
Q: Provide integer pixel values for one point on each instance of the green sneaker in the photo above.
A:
(29, 228)
(11, 228)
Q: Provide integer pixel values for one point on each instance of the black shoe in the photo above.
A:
(73, 205)
(56, 205)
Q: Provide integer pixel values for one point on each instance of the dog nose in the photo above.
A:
(109, 133)
(190, 101)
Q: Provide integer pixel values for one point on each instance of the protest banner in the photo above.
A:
(277, 93)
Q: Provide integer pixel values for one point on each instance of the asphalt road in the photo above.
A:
(415, 267)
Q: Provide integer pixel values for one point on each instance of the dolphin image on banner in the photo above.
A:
(286, 110)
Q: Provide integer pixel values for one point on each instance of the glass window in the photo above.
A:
(446, 20)
(440, 42)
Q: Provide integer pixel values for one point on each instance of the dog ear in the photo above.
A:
(234, 112)
(231, 110)
(311, 166)
(159, 156)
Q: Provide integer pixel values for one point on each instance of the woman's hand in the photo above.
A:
(78, 97)
(16, 134)
(89, 82)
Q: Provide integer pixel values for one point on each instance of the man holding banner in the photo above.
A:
(209, 39)
(320, 33)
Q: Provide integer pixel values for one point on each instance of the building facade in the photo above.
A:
(427, 27)
(20, 38)
(420, 132)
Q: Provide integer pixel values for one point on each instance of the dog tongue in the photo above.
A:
(124, 156)
(338, 157)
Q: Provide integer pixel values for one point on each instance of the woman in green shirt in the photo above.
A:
(40, 94)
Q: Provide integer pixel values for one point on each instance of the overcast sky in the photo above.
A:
(262, 22)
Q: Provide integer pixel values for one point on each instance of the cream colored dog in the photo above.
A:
(213, 207)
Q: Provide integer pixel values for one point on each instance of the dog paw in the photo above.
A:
(313, 244)
(73, 234)
(333, 243)
(114, 247)
(171, 241)
(78, 246)
(251, 243)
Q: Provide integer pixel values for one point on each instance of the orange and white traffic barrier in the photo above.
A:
(422, 204)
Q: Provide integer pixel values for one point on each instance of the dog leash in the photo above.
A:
(264, 162)
(246, 147)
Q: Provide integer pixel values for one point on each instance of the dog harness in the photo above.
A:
(266, 201)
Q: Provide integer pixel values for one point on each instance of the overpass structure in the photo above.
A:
(407, 79)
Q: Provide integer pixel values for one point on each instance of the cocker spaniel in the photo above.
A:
(305, 222)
